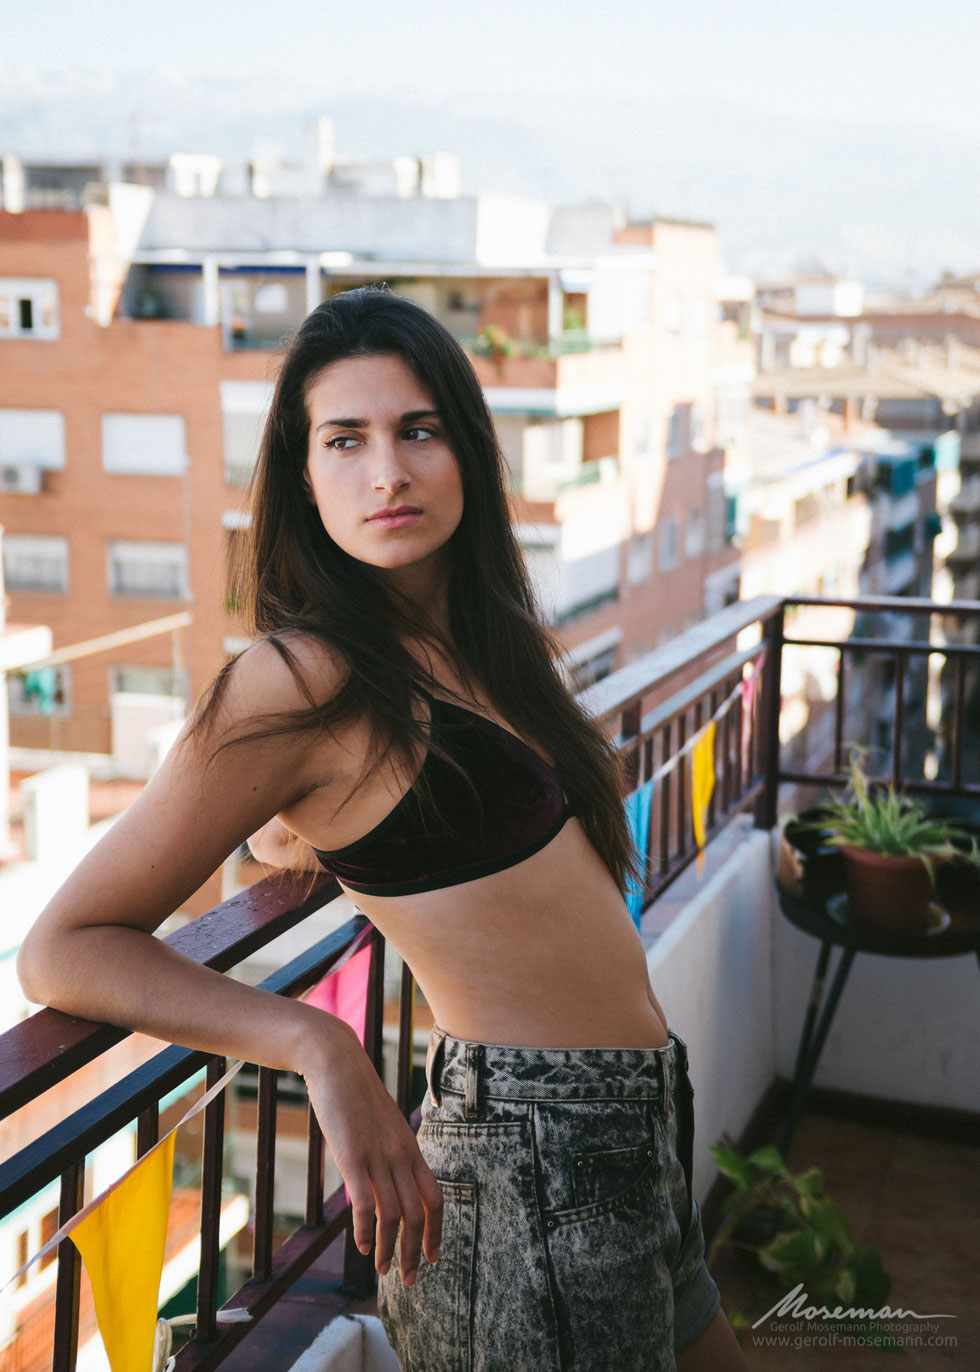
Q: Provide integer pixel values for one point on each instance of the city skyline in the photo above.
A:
(852, 143)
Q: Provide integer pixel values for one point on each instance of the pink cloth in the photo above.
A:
(344, 993)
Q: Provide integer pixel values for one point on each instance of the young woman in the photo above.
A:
(402, 713)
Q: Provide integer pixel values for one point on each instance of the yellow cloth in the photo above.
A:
(702, 781)
(122, 1243)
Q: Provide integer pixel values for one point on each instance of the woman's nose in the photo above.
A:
(391, 474)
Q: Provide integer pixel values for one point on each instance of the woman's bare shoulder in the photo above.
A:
(281, 672)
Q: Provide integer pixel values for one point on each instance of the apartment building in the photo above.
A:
(138, 342)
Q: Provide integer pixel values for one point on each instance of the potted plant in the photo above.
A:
(891, 845)
(496, 343)
(795, 1231)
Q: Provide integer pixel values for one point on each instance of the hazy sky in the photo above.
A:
(859, 59)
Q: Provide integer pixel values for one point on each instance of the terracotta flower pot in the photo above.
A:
(887, 891)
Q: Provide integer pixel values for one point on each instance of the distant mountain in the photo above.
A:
(894, 203)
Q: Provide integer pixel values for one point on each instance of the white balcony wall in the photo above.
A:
(620, 299)
(734, 976)
(510, 230)
(551, 454)
(899, 574)
(906, 1029)
(356, 1343)
(590, 554)
(898, 513)
(712, 972)
(387, 227)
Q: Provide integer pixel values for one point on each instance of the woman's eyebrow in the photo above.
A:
(412, 415)
(409, 417)
(341, 424)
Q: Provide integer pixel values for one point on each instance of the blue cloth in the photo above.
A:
(638, 819)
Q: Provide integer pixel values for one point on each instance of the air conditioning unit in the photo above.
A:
(20, 478)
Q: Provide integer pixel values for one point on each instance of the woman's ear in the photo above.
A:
(308, 485)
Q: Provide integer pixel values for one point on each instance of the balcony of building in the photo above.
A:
(965, 505)
(966, 554)
(537, 381)
(787, 683)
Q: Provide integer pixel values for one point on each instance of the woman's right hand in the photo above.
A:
(376, 1153)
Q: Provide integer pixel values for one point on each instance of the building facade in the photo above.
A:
(138, 344)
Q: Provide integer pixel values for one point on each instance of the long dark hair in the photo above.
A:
(292, 578)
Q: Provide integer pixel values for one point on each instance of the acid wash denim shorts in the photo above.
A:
(571, 1240)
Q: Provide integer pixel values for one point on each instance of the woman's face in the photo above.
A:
(379, 466)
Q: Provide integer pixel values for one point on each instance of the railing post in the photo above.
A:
(265, 1168)
(629, 729)
(212, 1168)
(406, 1041)
(69, 1274)
(767, 806)
(359, 1278)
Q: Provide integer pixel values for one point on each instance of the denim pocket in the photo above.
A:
(429, 1325)
(608, 1175)
(611, 1280)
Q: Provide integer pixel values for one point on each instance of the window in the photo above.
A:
(28, 307)
(699, 428)
(150, 681)
(35, 436)
(676, 426)
(148, 569)
(144, 444)
(694, 534)
(594, 669)
(37, 562)
(49, 1227)
(639, 558)
(44, 691)
(244, 406)
(673, 311)
(668, 543)
(717, 516)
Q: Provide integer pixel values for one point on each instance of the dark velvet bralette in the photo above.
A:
(453, 826)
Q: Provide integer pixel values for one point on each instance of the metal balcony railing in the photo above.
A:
(653, 709)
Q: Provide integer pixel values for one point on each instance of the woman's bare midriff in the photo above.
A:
(544, 953)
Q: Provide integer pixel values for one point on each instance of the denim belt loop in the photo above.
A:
(433, 1065)
(474, 1057)
(668, 1067)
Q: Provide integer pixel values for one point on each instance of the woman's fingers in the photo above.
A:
(389, 1197)
(390, 1184)
(432, 1200)
(413, 1220)
(362, 1205)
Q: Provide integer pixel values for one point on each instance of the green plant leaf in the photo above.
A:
(845, 1287)
(829, 1223)
(786, 1252)
(732, 1165)
(769, 1159)
(873, 1282)
(809, 1183)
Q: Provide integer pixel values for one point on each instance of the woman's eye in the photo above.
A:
(419, 432)
(341, 442)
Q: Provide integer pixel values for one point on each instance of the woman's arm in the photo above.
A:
(92, 953)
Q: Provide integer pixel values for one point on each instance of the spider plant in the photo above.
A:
(886, 821)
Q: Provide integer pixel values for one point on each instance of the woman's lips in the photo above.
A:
(401, 518)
